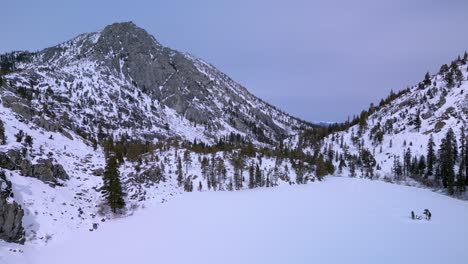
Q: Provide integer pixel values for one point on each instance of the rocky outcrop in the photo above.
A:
(11, 217)
(6, 162)
(11, 214)
(45, 169)
(152, 175)
(48, 172)
(19, 106)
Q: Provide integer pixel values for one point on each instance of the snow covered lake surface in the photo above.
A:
(340, 220)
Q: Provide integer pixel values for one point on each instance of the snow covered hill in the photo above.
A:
(390, 140)
(337, 221)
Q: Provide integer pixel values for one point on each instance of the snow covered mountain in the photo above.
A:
(121, 80)
(63, 109)
(175, 123)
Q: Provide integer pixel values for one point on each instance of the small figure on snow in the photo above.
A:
(428, 214)
(412, 215)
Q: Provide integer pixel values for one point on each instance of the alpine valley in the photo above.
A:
(112, 122)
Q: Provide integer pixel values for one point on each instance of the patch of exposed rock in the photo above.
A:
(11, 214)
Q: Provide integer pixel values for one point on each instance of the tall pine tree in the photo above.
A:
(251, 176)
(447, 158)
(112, 189)
(461, 177)
(180, 174)
(431, 157)
(2, 133)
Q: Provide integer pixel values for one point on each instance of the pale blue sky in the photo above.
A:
(318, 60)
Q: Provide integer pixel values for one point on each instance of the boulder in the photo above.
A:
(46, 171)
(11, 214)
(6, 162)
(14, 155)
(152, 175)
(98, 172)
(11, 221)
(25, 167)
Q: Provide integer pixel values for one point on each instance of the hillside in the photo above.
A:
(390, 140)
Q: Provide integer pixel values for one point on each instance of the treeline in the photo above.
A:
(244, 157)
(8, 61)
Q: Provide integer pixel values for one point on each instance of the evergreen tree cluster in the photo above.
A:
(438, 166)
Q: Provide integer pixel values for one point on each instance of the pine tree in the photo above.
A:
(431, 157)
(251, 176)
(352, 168)
(28, 140)
(112, 188)
(187, 160)
(397, 168)
(180, 174)
(300, 172)
(368, 162)
(2, 133)
(417, 120)
(421, 165)
(447, 159)
(465, 159)
(427, 79)
(407, 161)
(461, 177)
(19, 136)
(258, 176)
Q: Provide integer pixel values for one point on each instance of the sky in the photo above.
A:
(320, 60)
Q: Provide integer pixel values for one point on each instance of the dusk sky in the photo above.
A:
(318, 60)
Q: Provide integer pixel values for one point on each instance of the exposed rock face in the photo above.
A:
(11, 214)
(6, 162)
(11, 217)
(44, 170)
(152, 175)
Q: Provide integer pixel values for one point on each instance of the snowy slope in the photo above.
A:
(301, 224)
(56, 211)
(439, 107)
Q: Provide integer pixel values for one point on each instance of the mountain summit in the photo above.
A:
(122, 80)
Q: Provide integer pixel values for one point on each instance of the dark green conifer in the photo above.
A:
(112, 188)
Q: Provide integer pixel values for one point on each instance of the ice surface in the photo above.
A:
(341, 220)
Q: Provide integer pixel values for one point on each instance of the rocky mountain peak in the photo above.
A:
(121, 79)
(127, 39)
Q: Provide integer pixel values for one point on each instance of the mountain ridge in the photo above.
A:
(127, 56)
